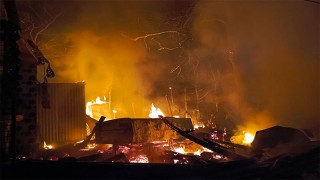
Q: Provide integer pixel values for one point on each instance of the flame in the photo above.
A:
(179, 150)
(198, 125)
(248, 138)
(217, 156)
(155, 112)
(198, 152)
(139, 159)
(80, 141)
(89, 104)
(45, 146)
(207, 150)
(91, 146)
(243, 137)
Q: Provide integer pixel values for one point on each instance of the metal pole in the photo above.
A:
(110, 101)
(170, 88)
(169, 105)
(185, 102)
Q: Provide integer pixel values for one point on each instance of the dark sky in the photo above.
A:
(257, 60)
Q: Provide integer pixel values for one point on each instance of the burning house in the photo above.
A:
(189, 98)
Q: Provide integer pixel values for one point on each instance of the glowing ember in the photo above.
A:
(214, 135)
(139, 159)
(89, 104)
(217, 156)
(198, 152)
(155, 112)
(79, 141)
(91, 146)
(45, 146)
(244, 138)
(179, 150)
(114, 113)
(123, 149)
(198, 125)
(207, 150)
(248, 138)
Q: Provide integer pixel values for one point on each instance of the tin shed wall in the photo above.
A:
(65, 120)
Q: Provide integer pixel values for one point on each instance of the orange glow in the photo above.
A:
(79, 142)
(89, 109)
(198, 152)
(244, 138)
(179, 150)
(107, 63)
(248, 138)
(184, 150)
(155, 112)
(45, 146)
(198, 125)
(139, 159)
(91, 146)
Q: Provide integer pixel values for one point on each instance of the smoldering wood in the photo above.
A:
(138, 130)
(207, 144)
(88, 138)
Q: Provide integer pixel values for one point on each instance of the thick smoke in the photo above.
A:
(98, 37)
(254, 64)
(275, 50)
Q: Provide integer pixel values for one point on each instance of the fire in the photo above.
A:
(217, 156)
(89, 104)
(91, 146)
(139, 159)
(244, 138)
(248, 138)
(155, 112)
(198, 152)
(198, 125)
(179, 150)
(188, 150)
(80, 141)
(45, 146)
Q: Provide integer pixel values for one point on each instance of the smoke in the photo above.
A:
(102, 52)
(107, 65)
(254, 64)
(275, 48)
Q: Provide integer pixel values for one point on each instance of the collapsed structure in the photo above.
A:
(29, 108)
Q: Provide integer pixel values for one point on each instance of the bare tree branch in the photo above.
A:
(152, 35)
(46, 27)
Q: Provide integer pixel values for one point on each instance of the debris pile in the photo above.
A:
(275, 152)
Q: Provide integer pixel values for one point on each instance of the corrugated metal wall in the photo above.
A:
(65, 121)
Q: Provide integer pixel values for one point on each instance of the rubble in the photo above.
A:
(275, 152)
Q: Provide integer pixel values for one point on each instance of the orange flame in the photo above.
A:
(89, 104)
(45, 146)
(198, 125)
(139, 159)
(155, 112)
(248, 138)
(245, 138)
(179, 150)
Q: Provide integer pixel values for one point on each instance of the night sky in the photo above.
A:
(252, 63)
